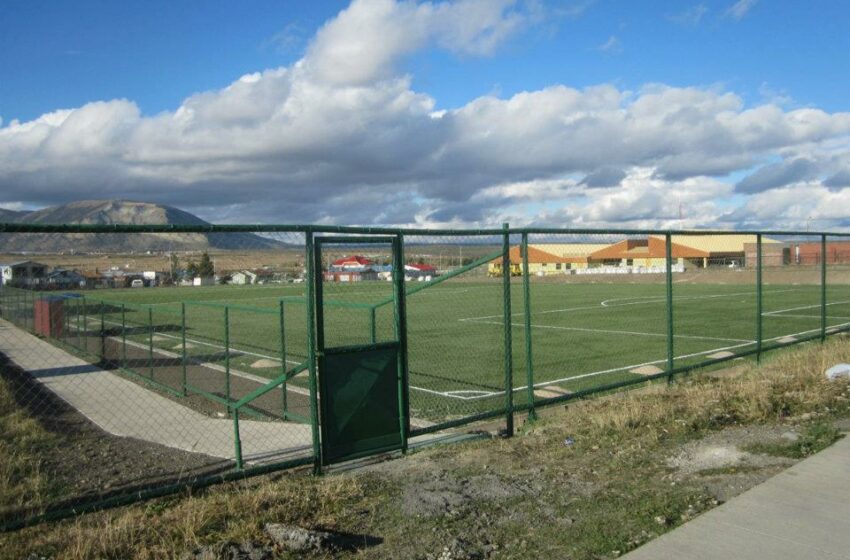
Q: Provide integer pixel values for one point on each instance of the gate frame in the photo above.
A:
(399, 322)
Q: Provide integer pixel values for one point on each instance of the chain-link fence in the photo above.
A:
(140, 360)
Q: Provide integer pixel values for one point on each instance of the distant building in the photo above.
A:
(420, 270)
(837, 252)
(352, 269)
(352, 263)
(540, 262)
(259, 276)
(642, 254)
(60, 278)
(23, 273)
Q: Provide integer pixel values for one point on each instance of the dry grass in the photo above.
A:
(618, 438)
(22, 482)
(786, 385)
(160, 529)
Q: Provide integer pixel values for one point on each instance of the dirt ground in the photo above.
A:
(87, 463)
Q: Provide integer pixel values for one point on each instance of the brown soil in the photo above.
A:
(89, 464)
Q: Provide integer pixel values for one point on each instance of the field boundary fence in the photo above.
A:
(346, 355)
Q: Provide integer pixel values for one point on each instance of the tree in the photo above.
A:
(192, 269)
(205, 267)
(174, 263)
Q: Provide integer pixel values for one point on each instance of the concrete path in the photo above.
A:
(801, 513)
(124, 408)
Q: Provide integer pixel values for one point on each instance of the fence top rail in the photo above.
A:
(366, 230)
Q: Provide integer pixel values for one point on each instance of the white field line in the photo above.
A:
(803, 307)
(216, 367)
(278, 297)
(611, 331)
(490, 394)
(644, 300)
(237, 372)
(195, 341)
(783, 316)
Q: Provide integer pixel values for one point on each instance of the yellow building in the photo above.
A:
(539, 263)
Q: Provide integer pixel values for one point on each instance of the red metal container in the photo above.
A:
(49, 317)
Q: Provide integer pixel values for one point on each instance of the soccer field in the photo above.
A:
(583, 335)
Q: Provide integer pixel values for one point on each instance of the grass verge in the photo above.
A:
(588, 481)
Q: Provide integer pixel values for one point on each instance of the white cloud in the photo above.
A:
(740, 8)
(690, 16)
(612, 46)
(340, 136)
(365, 41)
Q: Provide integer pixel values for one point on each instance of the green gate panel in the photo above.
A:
(359, 402)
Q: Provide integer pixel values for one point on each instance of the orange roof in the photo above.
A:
(538, 256)
(652, 247)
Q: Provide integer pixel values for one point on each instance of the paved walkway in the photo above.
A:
(801, 513)
(124, 408)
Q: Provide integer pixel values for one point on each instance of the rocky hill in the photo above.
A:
(120, 212)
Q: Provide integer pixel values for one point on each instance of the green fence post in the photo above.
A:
(401, 333)
(669, 270)
(372, 327)
(66, 331)
(506, 304)
(183, 346)
(227, 356)
(526, 297)
(311, 348)
(283, 356)
(79, 329)
(123, 336)
(150, 341)
(823, 288)
(102, 334)
(237, 441)
(759, 301)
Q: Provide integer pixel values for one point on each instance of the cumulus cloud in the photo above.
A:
(778, 175)
(341, 136)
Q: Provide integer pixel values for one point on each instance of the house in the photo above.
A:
(63, 279)
(258, 276)
(352, 269)
(23, 273)
(243, 277)
(420, 271)
(350, 275)
(352, 263)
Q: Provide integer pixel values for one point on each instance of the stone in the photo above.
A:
(647, 370)
(297, 539)
(790, 436)
(837, 371)
(266, 363)
(721, 354)
(551, 391)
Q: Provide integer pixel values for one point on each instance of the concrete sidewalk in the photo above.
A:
(124, 408)
(801, 513)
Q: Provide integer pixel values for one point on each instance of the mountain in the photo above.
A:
(10, 215)
(120, 212)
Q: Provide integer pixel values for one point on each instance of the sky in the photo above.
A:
(578, 113)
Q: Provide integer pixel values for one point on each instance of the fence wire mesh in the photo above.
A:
(138, 361)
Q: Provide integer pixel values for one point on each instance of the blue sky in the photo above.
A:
(436, 89)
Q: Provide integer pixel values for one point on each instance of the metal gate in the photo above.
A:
(362, 368)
